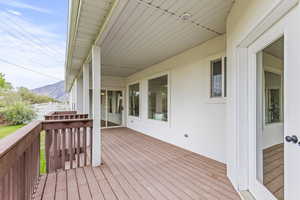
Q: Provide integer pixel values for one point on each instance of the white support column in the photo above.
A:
(71, 99)
(96, 82)
(86, 88)
(79, 94)
(74, 97)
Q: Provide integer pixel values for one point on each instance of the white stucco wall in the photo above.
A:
(112, 82)
(191, 111)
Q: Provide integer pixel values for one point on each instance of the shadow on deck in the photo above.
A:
(140, 167)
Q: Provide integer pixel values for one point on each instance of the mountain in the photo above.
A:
(56, 91)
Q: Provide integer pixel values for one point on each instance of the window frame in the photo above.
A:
(128, 100)
(224, 72)
(169, 97)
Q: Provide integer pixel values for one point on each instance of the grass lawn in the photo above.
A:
(42, 154)
(6, 130)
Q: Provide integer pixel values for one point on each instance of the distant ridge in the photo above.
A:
(55, 90)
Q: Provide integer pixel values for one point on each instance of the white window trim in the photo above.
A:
(140, 102)
(169, 97)
(220, 99)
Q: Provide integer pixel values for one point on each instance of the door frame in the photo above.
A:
(255, 106)
(123, 103)
(267, 29)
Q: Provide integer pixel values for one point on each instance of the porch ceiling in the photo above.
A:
(145, 32)
(85, 21)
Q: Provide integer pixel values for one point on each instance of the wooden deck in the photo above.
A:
(274, 171)
(140, 167)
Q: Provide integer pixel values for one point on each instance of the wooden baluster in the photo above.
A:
(3, 187)
(71, 134)
(15, 180)
(47, 148)
(29, 171)
(78, 147)
(59, 145)
(84, 146)
(26, 157)
(39, 155)
(91, 143)
(55, 149)
(23, 172)
(63, 160)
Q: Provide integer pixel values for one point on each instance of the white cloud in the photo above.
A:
(26, 44)
(14, 12)
(17, 4)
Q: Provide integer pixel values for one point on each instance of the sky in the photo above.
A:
(33, 41)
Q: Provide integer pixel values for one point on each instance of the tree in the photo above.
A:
(3, 83)
(33, 98)
(18, 113)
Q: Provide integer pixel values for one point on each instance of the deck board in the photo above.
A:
(61, 188)
(135, 167)
(274, 170)
(72, 186)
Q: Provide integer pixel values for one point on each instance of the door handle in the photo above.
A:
(292, 138)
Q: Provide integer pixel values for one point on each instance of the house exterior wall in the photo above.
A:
(72, 102)
(79, 94)
(191, 110)
(113, 82)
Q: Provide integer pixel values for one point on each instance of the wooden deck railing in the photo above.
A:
(20, 154)
(67, 143)
(19, 162)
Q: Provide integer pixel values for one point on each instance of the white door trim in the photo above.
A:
(243, 114)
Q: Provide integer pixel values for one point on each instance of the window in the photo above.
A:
(158, 98)
(273, 85)
(134, 100)
(218, 78)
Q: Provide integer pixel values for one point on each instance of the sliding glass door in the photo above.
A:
(111, 108)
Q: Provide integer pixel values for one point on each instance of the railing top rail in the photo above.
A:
(12, 140)
(68, 123)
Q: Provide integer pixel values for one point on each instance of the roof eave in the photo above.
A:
(73, 14)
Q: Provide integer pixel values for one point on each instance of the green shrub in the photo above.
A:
(18, 113)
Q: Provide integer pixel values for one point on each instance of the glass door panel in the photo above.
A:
(114, 108)
(269, 182)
